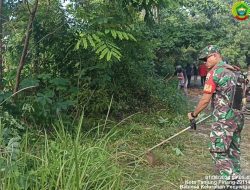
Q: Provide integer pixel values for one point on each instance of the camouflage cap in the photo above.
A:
(208, 50)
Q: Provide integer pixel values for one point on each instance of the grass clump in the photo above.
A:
(59, 162)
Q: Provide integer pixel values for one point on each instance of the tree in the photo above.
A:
(26, 44)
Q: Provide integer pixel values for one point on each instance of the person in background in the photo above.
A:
(181, 75)
(203, 73)
(189, 74)
(195, 71)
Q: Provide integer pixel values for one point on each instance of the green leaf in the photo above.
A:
(99, 44)
(13, 147)
(49, 94)
(163, 120)
(60, 81)
(116, 51)
(125, 35)
(120, 35)
(82, 34)
(116, 56)
(100, 33)
(104, 52)
(113, 32)
(44, 77)
(85, 43)
(77, 44)
(64, 105)
(29, 82)
(91, 41)
(109, 55)
(132, 37)
(178, 152)
(111, 45)
(96, 37)
(101, 48)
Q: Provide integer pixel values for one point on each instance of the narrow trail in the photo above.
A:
(245, 160)
(170, 170)
(245, 146)
(194, 94)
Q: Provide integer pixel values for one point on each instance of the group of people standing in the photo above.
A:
(185, 75)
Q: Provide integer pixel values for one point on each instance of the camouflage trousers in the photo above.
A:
(225, 146)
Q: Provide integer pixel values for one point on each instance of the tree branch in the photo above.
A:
(26, 44)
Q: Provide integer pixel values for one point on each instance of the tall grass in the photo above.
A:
(62, 161)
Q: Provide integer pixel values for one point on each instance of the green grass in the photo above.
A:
(60, 162)
(113, 159)
(184, 158)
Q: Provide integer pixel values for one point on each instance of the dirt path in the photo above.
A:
(245, 159)
(245, 147)
(185, 158)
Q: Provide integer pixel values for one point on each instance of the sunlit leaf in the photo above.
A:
(104, 52)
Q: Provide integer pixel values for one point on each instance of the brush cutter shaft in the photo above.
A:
(177, 134)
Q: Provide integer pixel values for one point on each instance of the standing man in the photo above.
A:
(188, 70)
(203, 73)
(195, 70)
(225, 133)
(182, 78)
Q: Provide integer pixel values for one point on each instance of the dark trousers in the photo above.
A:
(189, 79)
(203, 79)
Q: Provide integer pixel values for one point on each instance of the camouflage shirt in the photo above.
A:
(221, 82)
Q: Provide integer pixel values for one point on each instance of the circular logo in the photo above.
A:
(240, 10)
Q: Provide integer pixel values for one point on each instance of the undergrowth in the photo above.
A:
(110, 157)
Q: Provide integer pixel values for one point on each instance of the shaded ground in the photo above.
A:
(245, 159)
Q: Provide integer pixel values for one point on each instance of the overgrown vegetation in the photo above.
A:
(91, 160)
(57, 162)
(96, 62)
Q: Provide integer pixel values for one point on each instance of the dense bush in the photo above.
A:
(104, 57)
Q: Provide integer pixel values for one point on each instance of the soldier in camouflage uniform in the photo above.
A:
(226, 129)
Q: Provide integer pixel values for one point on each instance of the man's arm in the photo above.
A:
(203, 103)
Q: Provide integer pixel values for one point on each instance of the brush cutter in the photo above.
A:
(192, 126)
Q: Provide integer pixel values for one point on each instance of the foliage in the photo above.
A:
(57, 159)
(10, 136)
(59, 162)
(91, 51)
(108, 59)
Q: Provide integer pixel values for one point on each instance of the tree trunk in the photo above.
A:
(26, 44)
(1, 44)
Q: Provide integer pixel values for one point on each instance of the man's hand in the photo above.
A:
(192, 120)
(232, 67)
(190, 117)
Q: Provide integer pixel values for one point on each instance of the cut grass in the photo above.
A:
(192, 161)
